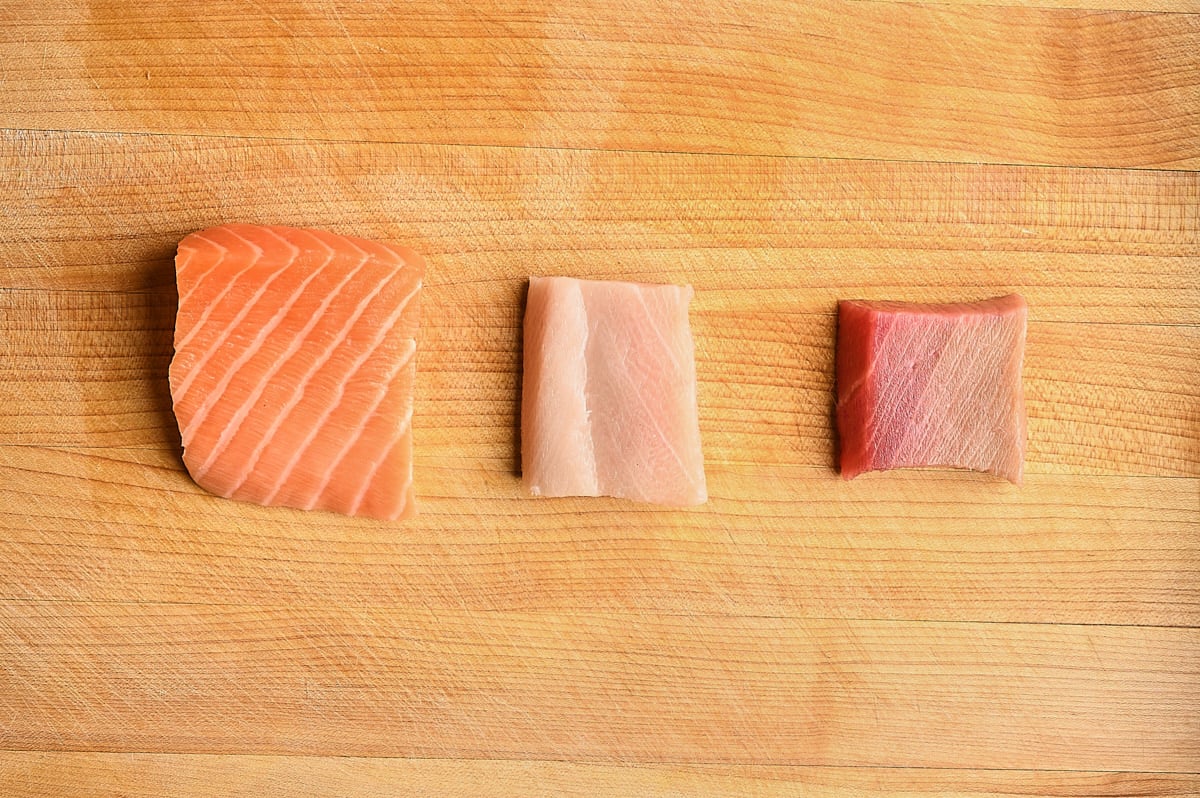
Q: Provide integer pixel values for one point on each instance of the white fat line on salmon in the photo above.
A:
(401, 499)
(392, 320)
(298, 389)
(401, 430)
(183, 301)
(183, 259)
(410, 350)
(224, 291)
(215, 393)
(186, 384)
(198, 280)
(239, 417)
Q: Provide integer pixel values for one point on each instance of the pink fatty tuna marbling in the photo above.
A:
(931, 385)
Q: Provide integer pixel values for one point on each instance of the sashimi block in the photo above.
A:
(609, 393)
(293, 373)
(931, 385)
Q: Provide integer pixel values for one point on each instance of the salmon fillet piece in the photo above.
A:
(608, 402)
(292, 379)
(931, 385)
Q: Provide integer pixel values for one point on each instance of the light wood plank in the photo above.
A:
(49, 774)
(1139, 6)
(106, 211)
(117, 525)
(828, 78)
(638, 687)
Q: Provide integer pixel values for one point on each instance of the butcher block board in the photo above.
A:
(924, 632)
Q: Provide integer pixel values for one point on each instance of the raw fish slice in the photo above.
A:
(609, 394)
(931, 385)
(293, 371)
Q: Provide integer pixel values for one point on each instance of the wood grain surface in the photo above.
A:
(49, 775)
(922, 632)
(928, 81)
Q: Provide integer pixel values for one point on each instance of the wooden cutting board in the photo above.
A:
(930, 632)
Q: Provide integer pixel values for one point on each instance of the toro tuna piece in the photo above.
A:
(931, 385)
(609, 396)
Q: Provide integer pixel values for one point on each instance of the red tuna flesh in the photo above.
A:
(931, 385)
